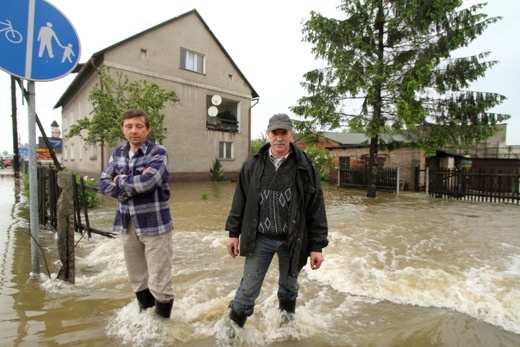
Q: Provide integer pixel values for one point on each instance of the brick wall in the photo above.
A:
(406, 159)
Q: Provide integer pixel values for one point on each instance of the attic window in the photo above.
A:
(193, 61)
(144, 54)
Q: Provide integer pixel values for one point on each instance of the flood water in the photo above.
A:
(405, 270)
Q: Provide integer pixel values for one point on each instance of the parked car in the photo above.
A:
(8, 161)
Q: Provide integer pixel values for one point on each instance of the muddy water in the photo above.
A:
(403, 270)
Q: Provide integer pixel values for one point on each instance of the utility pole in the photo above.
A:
(16, 159)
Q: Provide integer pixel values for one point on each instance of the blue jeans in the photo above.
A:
(255, 269)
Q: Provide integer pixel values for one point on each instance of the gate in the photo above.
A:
(387, 179)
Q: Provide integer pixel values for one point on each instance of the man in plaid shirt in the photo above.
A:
(137, 175)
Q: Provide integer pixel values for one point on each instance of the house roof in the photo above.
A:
(346, 138)
(350, 139)
(84, 70)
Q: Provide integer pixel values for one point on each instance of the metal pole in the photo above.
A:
(33, 181)
(398, 179)
(16, 158)
(427, 179)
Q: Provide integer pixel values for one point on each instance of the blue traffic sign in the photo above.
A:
(38, 43)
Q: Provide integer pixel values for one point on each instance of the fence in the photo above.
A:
(48, 194)
(387, 179)
(470, 184)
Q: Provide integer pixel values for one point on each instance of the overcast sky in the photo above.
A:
(264, 40)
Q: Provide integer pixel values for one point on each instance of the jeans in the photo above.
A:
(255, 269)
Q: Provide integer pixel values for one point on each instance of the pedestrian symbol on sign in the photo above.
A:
(45, 37)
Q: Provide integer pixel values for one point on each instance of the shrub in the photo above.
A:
(91, 196)
(321, 160)
(217, 175)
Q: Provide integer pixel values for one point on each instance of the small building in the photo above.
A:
(351, 150)
(493, 147)
(211, 121)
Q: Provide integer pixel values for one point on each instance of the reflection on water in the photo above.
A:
(403, 270)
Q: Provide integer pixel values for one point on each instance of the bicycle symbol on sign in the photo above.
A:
(10, 34)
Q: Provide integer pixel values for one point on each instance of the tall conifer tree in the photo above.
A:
(395, 57)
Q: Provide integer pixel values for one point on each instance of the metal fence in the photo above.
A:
(48, 195)
(471, 184)
(387, 179)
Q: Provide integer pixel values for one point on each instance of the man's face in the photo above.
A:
(280, 140)
(135, 131)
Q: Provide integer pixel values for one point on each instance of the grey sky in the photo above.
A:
(264, 40)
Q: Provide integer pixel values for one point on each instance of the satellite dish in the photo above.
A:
(216, 100)
(212, 111)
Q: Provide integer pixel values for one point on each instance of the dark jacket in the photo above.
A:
(308, 222)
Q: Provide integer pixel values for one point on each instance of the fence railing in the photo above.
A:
(48, 195)
(471, 184)
(387, 179)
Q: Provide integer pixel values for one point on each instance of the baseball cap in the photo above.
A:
(279, 121)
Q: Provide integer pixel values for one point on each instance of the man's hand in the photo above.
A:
(232, 246)
(316, 260)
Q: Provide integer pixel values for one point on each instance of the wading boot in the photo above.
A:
(239, 318)
(145, 299)
(288, 308)
(164, 309)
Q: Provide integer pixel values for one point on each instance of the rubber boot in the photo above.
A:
(239, 318)
(145, 299)
(164, 309)
(288, 308)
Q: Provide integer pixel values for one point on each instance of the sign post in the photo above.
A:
(38, 43)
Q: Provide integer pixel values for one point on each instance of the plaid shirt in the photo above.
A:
(144, 198)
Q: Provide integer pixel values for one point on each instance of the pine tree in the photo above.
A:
(216, 172)
(395, 58)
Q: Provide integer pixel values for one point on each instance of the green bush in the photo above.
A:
(217, 174)
(25, 185)
(321, 160)
(91, 196)
(256, 144)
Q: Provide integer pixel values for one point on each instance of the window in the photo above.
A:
(193, 61)
(225, 150)
(344, 162)
(81, 146)
(144, 54)
(93, 152)
(221, 114)
(71, 152)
